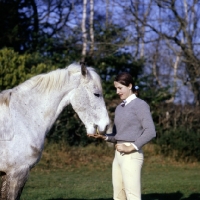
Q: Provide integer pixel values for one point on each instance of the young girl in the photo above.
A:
(133, 128)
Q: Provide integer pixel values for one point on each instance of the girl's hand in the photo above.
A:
(122, 148)
(97, 136)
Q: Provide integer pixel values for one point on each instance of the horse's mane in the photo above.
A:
(54, 80)
(46, 82)
(5, 97)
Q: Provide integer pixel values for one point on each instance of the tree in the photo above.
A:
(176, 23)
(19, 22)
(84, 32)
(16, 68)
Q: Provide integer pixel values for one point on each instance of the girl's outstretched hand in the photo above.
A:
(97, 136)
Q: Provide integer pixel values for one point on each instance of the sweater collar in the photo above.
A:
(129, 99)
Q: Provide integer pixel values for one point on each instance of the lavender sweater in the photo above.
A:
(133, 123)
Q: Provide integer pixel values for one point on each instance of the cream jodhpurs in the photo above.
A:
(126, 175)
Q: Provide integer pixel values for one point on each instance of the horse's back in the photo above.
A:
(6, 125)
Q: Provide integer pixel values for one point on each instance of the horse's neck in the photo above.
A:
(41, 110)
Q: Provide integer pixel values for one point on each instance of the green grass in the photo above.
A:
(161, 180)
(69, 184)
(171, 182)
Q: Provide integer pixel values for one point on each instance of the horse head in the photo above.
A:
(88, 102)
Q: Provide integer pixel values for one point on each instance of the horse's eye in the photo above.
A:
(97, 95)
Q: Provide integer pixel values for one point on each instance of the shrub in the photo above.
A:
(16, 68)
(181, 144)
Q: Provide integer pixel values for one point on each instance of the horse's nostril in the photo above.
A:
(95, 126)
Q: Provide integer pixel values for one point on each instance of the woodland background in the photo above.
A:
(157, 41)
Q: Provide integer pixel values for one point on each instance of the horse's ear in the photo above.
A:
(83, 68)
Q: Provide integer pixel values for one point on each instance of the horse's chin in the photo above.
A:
(95, 131)
(91, 131)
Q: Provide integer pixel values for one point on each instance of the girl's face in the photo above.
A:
(123, 91)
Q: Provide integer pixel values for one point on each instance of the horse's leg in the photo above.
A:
(3, 188)
(22, 183)
(17, 181)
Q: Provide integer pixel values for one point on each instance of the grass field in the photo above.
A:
(88, 176)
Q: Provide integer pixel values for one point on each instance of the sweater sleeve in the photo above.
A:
(111, 136)
(144, 115)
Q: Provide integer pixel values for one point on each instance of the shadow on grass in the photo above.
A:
(154, 196)
(171, 196)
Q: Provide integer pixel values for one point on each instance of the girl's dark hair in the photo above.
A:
(125, 78)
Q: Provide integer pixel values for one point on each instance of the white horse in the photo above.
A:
(28, 111)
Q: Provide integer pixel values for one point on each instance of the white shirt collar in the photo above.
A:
(130, 98)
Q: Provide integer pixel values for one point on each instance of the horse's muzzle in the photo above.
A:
(98, 132)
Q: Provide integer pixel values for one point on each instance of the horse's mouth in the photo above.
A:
(97, 133)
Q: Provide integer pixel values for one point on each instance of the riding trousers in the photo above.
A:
(126, 175)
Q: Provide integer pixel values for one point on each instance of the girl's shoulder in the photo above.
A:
(138, 103)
